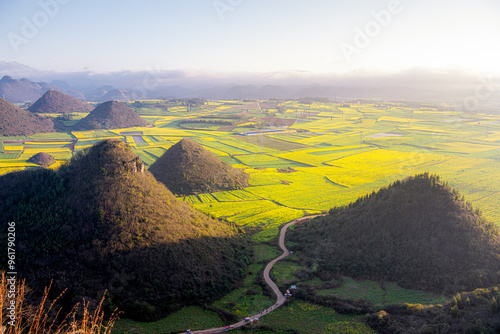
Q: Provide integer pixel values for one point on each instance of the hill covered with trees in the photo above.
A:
(110, 115)
(477, 311)
(418, 232)
(188, 168)
(15, 121)
(42, 159)
(55, 102)
(104, 222)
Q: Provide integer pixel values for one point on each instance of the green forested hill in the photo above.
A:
(417, 232)
(15, 121)
(187, 168)
(468, 312)
(54, 101)
(110, 115)
(103, 222)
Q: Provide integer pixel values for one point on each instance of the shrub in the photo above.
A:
(45, 317)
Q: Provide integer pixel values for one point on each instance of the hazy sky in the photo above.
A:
(319, 36)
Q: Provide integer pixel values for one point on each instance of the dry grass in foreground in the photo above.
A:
(19, 318)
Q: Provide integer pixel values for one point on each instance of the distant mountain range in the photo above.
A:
(423, 85)
(24, 90)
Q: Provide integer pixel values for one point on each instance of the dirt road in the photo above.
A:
(280, 298)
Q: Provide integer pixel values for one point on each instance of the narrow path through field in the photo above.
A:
(280, 298)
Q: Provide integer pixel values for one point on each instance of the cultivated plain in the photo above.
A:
(303, 158)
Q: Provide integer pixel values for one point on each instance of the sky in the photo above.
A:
(252, 36)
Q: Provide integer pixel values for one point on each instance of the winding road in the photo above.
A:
(280, 298)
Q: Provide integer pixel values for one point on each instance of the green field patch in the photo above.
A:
(336, 150)
(292, 137)
(322, 157)
(62, 154)
(245, 301)
(16, 164)
(464, 147)
(263, 177)
(191, 317)
(145, 156)
(245, 195)
(305, 317)
(272, 143)
(315, 282)
(226, 196)
(9, 156)
(95, 134)
(274, 216)
(252, 272)
(192, 199)
(261, 213)
(353, 289)
(300, 190)
(397, 294)
(47, 144)
(5, 170)
(219, 146)
(235, 211)
(265, 253)
(200, 126)
(402, 120)
(267, 161)
(84, 143)
(270, 218)
(49, 135)
(159, 139)
(155, 151)
(12, 145)
(266, 235)
(70, 123)
(206, 198)
(488, 205)
(283, 272)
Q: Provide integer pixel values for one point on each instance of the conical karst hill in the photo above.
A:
(42, 159)
(55, 102)
(110, 115)
(15, 121)
(104, 222)
(418, 232)
(188, 168)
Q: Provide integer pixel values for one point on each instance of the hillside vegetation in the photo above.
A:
(103, 222)
(188, 168)
(42, 159)
(15, 121)
(110, 115)
(418, 232)
(54, 101)
(468, 312)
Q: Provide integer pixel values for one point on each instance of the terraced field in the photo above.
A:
(336, 153)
